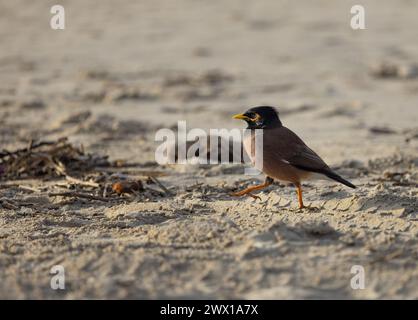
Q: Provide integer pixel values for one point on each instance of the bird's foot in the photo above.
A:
(254, 196)
(308, 208)
(241, 193)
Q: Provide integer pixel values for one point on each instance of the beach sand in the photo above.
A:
(122, 70)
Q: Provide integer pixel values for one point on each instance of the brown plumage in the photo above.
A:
(285, 156)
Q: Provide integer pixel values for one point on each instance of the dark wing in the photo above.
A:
(306, 159)
(287, 147)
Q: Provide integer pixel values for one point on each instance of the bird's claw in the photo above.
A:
(240, 194)
(254, 196)
(309, 208)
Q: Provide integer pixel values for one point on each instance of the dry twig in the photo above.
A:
(78, 195)
(155, 180)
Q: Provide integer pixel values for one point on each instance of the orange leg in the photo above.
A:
(299, 192)
(248, 191)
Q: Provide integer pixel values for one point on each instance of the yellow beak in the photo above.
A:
(240, 117)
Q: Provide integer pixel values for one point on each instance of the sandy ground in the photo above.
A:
(122, 70)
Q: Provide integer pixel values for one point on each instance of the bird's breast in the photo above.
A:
(253, 146)
(267, 161)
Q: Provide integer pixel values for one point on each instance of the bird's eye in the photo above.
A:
(255, 117)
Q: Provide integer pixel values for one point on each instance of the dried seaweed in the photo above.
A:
(75, 174)
(48, 159)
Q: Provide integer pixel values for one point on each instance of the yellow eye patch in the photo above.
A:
(256, 118)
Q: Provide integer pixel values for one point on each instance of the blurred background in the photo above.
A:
(142, 65)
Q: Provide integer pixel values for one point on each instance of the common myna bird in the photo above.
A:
(285, 156)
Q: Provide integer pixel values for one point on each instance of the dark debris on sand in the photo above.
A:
(74, 174)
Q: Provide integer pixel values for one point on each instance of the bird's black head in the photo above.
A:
(260, 118)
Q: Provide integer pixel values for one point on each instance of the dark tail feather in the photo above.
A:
(336, 177)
